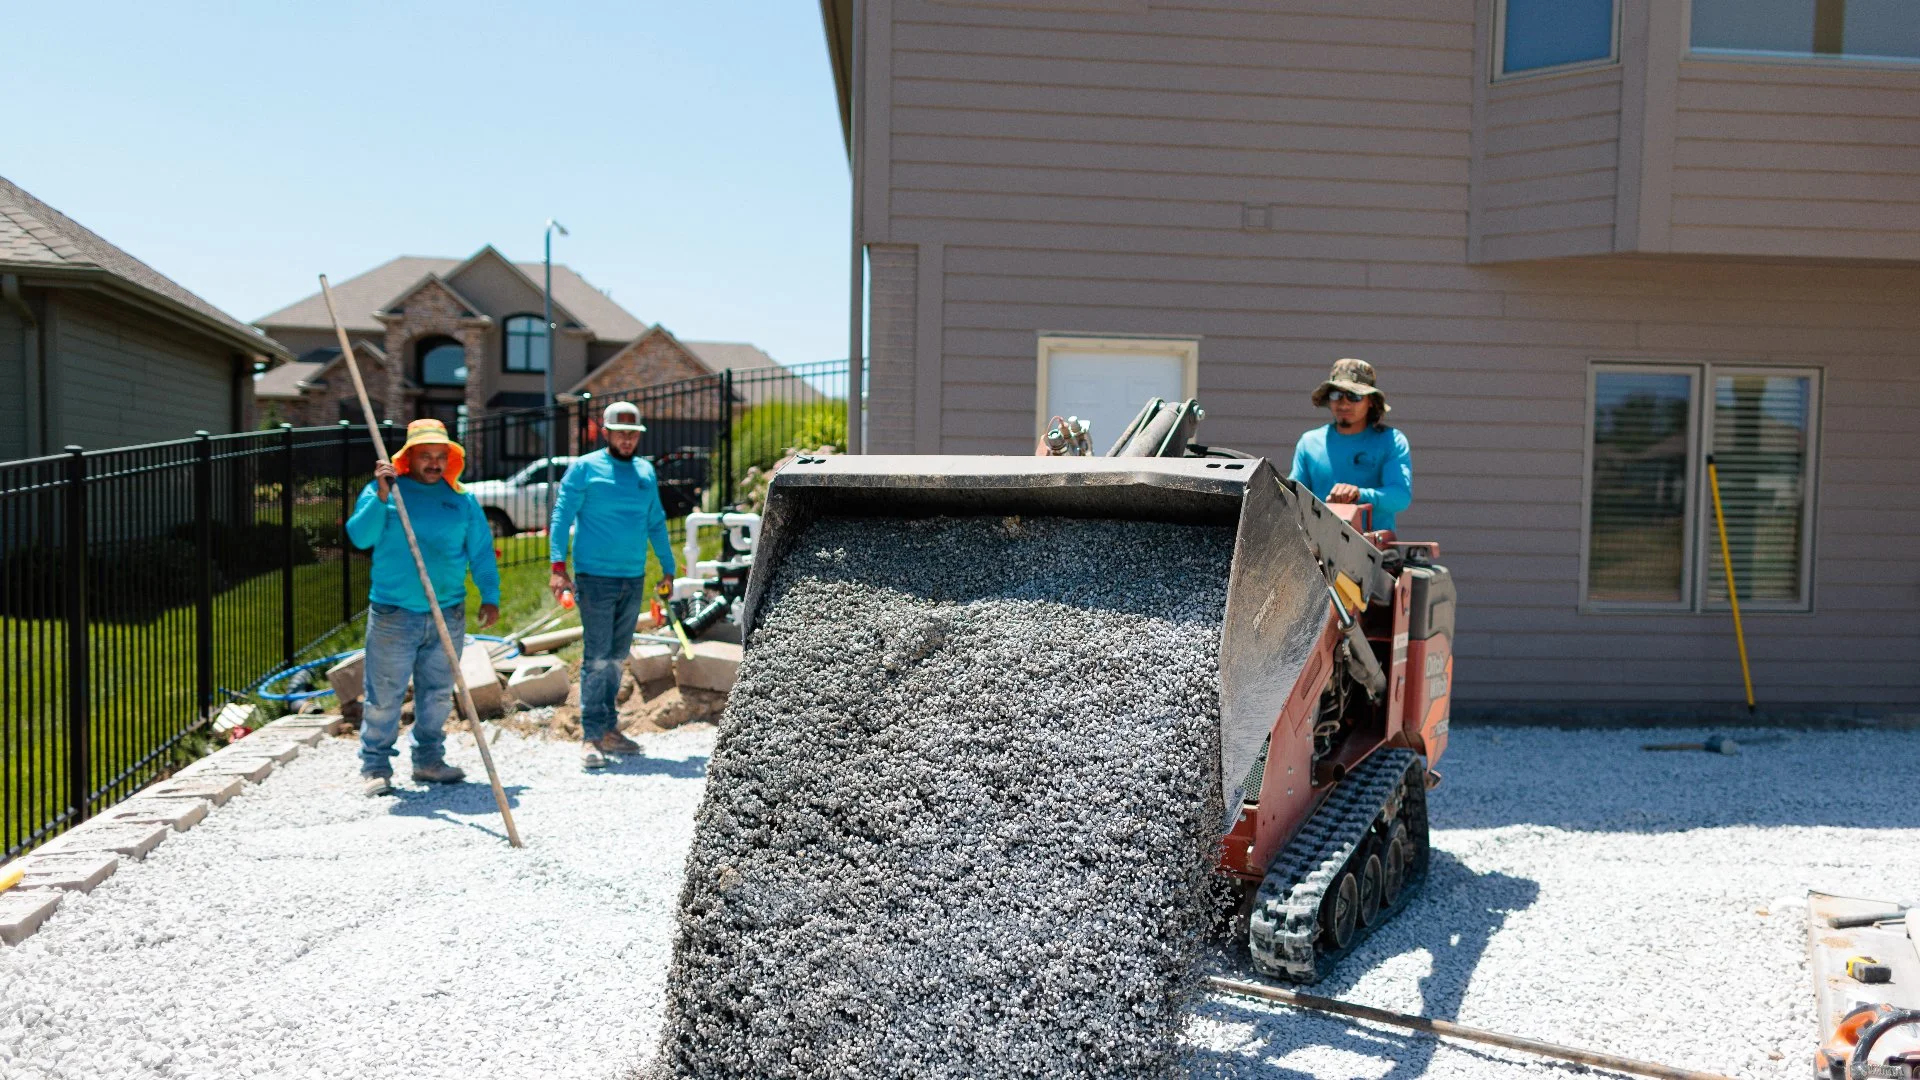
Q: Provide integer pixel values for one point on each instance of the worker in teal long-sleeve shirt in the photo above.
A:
(1356, 458)
(402, 643)
(609, 511)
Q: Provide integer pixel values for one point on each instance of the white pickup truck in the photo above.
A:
(519, 503)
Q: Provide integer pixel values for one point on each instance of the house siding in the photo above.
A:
(15, 389)
(1796, 160)
(126, 379)
(1288, 182)
(1546, 168)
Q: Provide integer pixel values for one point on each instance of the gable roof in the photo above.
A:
(284, 381)
(471, 309)
(738, 355)
(655, 331)
(36, 238)
(375, 290)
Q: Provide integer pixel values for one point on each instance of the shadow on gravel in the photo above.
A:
(1602, 781)
(453, 802)
(1452, 920)
(692, 768)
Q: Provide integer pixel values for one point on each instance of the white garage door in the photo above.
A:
(1108, 388)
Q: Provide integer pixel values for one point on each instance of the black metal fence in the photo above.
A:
(140, 587)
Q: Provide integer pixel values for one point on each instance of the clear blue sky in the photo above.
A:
(242, 148)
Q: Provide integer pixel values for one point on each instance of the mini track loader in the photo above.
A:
(1335, 654)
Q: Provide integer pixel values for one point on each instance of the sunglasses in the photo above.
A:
(1344, 395)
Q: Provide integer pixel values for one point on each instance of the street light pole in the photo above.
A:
(546, 295)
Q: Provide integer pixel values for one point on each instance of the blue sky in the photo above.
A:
(243, 148)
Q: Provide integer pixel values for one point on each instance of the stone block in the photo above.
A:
(73, 873)
(23, 910)
(483, 683)
(302, 734)
(180, 814)
(540, 681)
(713, 666)
(98, 836)
(252, 767)
(650, 661)
(348, 678)
(279, 749)
(205, 786)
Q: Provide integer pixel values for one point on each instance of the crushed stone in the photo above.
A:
(962, 814)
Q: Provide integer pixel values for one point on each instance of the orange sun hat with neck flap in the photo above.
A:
(431, 433)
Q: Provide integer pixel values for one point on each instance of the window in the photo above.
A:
(443, 362)
(1871, 30)
(1105, 380)
(1534, 36)
(1652, 541)
(526, 344)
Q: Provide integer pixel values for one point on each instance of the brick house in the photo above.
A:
(97, 348)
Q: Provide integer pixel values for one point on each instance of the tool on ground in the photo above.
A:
(10, 876)
(1733, 592)
(1448, 1029)
(1715, 744)
(1865, 958)
(510, 644)
(420, 564)
(1331, 709)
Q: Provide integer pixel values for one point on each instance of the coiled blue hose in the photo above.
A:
(261, 689)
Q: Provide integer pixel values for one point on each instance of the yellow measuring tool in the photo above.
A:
(1733, 594)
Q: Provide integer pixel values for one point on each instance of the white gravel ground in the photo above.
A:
(1583, 891)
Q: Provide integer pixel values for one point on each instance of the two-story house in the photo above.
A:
(1585, 242)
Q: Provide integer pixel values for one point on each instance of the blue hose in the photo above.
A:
(260, 689)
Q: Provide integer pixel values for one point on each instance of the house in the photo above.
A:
(1585, 242)
(99, 349)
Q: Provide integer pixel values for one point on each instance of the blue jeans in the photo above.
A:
(609, 606)
(403, 645)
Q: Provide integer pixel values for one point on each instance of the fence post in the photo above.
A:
(346, 511)
(203, 572)
(726, 438)
(79, 713)
(286, 545)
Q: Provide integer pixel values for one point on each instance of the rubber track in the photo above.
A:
(1284, 930)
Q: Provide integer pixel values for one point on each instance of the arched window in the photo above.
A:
(443, 362)
(526, 344)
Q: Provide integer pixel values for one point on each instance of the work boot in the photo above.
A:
(376, 784)
(615, 743)
(591, 757)
(438, 772)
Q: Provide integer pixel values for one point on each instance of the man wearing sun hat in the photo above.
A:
(402, 643)
(613, 497)
(1356, 458)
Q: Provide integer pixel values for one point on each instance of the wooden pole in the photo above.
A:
(1451, 1030)
(1733, 594)
(420, 564)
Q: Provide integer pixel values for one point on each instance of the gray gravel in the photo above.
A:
(1583, 891)
(960, 821)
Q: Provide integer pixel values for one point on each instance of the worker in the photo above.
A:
(614, 498)
(1356, 458)
(402, 642)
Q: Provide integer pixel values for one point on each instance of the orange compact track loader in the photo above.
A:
(1336, 656)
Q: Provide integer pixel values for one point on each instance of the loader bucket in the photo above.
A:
(1276, 605)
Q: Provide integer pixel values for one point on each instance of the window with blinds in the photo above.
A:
(1652, 542)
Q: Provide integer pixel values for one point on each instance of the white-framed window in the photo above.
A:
(1650, 539)
(1105, 380)
(1852, 31)
(1540, 37)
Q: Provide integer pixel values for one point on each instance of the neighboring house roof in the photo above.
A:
(737, 355)
(359, 297)
(36, 238)
(323, 360)
(284, 381)
(759, 389)
(613, 362)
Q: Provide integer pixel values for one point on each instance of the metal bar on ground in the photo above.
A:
(1448, 1029)
(426, 580)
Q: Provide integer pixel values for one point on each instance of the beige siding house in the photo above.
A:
(1582, 254)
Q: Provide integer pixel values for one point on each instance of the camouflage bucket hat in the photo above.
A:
(1353, 376)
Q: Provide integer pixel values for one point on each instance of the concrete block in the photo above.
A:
(303, 734)
(713, 666)
(23, 910)
(252, 767)
(73, 873)
(93, 837)
(483, 684)
(279, 750)
(205, 786)
(319, 721)
(540, 680)
(180, 814)
(348, 678)
(650, 661)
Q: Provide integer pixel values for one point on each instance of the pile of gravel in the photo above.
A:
(961, 819)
